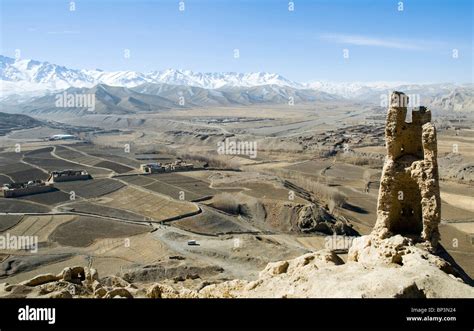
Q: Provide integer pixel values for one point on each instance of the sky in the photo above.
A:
(329, 40)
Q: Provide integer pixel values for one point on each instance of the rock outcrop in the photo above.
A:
(72, 282)
(376, 268)
(392, 268)
(313, 218)
(409, 200)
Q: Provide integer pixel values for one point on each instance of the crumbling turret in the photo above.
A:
(409, 201)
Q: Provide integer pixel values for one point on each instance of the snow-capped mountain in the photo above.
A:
(22, 80)
(352, 89)
(51, 76)
(19, 76)
(437, 96)
(218, 80)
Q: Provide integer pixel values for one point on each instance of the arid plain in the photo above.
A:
(241, 211)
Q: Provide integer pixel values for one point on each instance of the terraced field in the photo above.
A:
(83, 231)
(155, 206)
(110, 153)
(21, 206)
(8, 221)
(101, 210)
(49, 163)
(49, 198)
(91, 188)
(118, 168)
(194, 185)
(138, 180)
(41, 226)
(75, 156)
(10, 157)
(132, 163)
(39, 152)
(173, 184)
(21, 172)
(88, 159)
(44, 159)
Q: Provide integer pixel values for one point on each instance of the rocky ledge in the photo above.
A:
(376, 268)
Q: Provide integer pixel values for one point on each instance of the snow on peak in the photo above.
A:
(36, 75)
(18, 76)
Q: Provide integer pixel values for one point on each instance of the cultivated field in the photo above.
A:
(173, 185)
(83, 231)
(155, 206)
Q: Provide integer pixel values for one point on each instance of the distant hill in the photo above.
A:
(10, 122)
(106, 100)
(458, 99)
(158, 97)
(236, 95)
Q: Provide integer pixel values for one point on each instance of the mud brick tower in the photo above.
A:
(409, 200)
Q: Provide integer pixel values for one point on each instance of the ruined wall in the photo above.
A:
(19, 192)
(409, 202)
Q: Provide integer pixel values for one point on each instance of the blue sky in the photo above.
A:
(384, 44)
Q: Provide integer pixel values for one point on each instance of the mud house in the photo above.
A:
(68, 175)
(14, 190)
(153, 168)
(181, 166)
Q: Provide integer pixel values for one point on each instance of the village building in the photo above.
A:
(153, 168)
(68, 175)
(14, 190)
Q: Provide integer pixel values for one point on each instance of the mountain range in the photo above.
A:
(157, 97)
(24, 80)
(33, 74)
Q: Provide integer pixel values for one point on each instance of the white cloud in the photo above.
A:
(376, 42)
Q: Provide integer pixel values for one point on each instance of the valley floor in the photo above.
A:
(242, 212)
